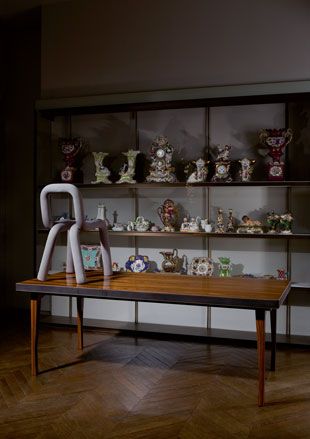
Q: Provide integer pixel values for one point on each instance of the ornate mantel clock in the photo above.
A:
(161, 155)
(222, 165)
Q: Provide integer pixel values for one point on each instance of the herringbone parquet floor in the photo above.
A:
(145, 388)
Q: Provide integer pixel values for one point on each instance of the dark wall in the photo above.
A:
(21, 42)
(103, 46)
(2, 171)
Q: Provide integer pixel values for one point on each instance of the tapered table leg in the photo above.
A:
(273, 324)
(35, 305)
(260, 333)
(80, 307)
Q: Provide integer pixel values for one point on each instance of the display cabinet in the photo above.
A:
(195, 122)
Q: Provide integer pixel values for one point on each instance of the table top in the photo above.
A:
(227, 292)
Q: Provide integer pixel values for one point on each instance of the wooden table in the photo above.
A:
(260, 295)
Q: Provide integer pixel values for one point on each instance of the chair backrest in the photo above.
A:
(66, 188)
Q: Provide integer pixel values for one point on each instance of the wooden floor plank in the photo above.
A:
(123, 386)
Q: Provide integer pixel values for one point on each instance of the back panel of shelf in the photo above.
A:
(298, 118)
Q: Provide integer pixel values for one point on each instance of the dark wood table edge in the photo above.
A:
(155, 297)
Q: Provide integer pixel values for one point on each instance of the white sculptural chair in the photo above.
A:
(73, 228)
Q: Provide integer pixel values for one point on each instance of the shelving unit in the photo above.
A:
(211, 114)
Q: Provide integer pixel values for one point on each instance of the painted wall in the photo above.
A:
(99, 46)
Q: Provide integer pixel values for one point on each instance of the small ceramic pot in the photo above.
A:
(208, 228)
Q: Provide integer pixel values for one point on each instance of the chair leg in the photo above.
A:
(48, 250)
(77, 254)
(105, 251)
(69, 262)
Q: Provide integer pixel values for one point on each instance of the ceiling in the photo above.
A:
(9, 7)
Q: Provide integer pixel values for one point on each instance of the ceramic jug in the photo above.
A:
(170, 262)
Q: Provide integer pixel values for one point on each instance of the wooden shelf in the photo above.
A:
(301, 286)
(213, 235)
(294, 183)
(205, 235)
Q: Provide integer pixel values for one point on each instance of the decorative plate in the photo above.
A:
(137, 264)
(201, 267)
(91, 255)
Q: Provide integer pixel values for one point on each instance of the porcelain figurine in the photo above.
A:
(250, 226)
(168, 214)
(170, 262)
(225, 267)
(201, 266)
(275, 140)
(194, 224)
(102, 172)
(222, 165)
(116, 268)
(230, 228)
(200, 174)
(273, 221)
(118, 227)
(72, 150)
(161, 155)
(285, 223)
(102, 214)
(191, 225)
(246, 171)
(141, 224)
(185, 225)
(154, 229)
(130, 226)
(128, 170)
(220, 228)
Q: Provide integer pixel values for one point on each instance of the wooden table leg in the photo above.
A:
(260, 333)
(273, 324)
(80, 306)
(35, 305)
